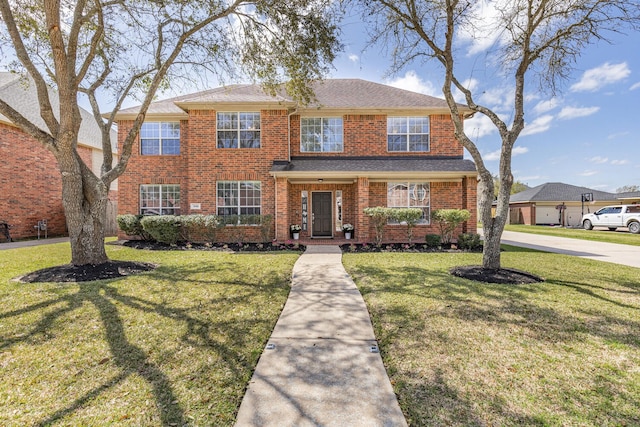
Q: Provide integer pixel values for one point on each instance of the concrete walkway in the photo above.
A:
(600, 251)
(321, 366)
(35, 242)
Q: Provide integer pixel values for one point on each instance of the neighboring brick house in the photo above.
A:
(235, 150)
(30, 183)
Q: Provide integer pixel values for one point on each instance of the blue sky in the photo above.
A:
(587, 135)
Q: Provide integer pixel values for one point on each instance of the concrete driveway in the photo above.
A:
(608, 252)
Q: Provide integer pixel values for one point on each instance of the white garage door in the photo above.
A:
(547, 215)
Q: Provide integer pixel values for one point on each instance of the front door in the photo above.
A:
(321, 214)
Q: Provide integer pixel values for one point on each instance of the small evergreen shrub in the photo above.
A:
(469, 242)
(432, 240)
(265, 227)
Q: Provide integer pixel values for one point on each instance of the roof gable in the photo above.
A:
(331, 94)
(23, 97)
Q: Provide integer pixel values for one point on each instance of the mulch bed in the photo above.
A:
(225, 247)
(116, 269)
(395, 247)
(506, 276)
(87, 273)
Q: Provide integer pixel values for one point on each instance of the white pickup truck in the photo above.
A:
(614, 217)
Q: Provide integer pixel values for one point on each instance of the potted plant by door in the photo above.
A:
(348, 231)
(295, 231)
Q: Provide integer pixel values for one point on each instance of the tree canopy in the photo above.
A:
(119, 49)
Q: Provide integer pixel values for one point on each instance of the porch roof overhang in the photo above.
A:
(349, 169)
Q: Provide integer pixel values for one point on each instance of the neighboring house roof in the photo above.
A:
(21, 94)
(558, 192)
(331, 94)
(630, 195)
(387, 167)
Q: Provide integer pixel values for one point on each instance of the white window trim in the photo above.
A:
(162, 207)
(238, 130)
(322, 129)
(408, 184)
(238, 206)
(160, 153)
(408, 134)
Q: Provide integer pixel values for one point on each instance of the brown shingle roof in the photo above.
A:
(352, 94)
(358, 165)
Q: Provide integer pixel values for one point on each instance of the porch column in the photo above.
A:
(282, 209)
(362, 201)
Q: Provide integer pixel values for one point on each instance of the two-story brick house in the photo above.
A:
(236, 150)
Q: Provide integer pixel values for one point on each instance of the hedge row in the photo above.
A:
(171, 229)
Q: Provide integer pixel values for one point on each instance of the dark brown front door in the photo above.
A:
(321, 214)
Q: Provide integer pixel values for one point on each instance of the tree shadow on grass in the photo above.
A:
(130, 358)
(396, 298)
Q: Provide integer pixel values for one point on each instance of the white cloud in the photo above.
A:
(635, 86)
(500, 98)
(411, 81)
(568, 113)
(479, 126)
(598, 77)
(598, 159)
(485, 30)
(620, 162)
(353, 57)
(538, 125)
(589, 173)
(617, 135)
(545, 106)
(495, 155)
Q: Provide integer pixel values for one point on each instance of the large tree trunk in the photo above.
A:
(84, 197)
(493, 225)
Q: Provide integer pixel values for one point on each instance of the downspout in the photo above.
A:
(275, 213)
(292, 112)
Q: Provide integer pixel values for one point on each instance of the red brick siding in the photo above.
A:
(366, 135)
(201, 164)
(151, 170)
(30, 184)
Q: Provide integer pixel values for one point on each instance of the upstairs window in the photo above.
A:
(321, 134)
(409, 134)
(410, 195)
(238, 130)
(160, 199)
(160, 138)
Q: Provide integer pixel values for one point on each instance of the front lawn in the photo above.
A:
(461, 353)
(173, 346)
(598, 234)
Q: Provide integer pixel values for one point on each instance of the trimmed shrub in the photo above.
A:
(199, 228)
(130, 225)
(432, 240)
(448, 220)
(469, 242)
(409, 217)
(380, 216)
(163, 228)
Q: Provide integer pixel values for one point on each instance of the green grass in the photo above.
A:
(597, 234)
(461, 353)
(173, 346)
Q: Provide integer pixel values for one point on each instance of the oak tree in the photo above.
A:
(528, 42)
(124, 49)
